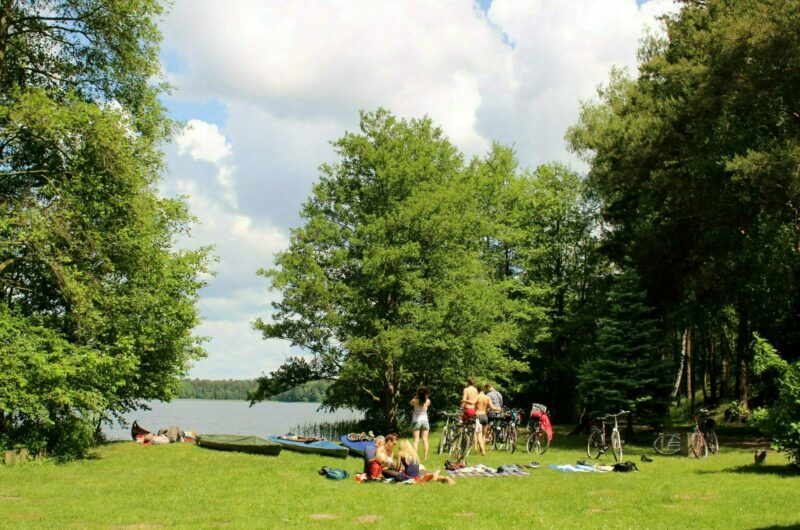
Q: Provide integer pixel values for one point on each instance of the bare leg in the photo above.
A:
(416, 442)
(424, 443)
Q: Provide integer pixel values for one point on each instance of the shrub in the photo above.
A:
(780, 420)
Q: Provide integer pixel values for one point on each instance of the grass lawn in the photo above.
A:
(181, 485)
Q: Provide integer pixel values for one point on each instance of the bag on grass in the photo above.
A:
(625, 467)
(333, 473)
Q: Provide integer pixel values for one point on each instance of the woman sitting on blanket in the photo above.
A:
(407, 464)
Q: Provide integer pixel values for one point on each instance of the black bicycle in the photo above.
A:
(598, 443)
(503, 432)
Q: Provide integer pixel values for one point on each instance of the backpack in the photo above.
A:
(452, 466)
(626, 467)
(333, 473)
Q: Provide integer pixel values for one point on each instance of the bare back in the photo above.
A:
(482, 403)
(468, 397)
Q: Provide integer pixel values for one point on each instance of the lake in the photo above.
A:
(207, 416)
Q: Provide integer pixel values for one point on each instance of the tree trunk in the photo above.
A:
(681, 362)
(689, 372)
(704, 364)
(712, 371)
(742, 358)
(726, 373)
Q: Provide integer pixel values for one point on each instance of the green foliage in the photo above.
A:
(695, 161)
(86, 258)
(384, 283)
(628, 372)
(295, 371)
(55, 392)
(310, 392)
(215, 389)
(780, 419)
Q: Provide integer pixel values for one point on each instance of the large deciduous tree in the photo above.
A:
(385, 283)
(97, 308)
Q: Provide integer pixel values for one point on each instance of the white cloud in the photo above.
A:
(292, 76)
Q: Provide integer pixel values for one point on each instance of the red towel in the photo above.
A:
(546, 427)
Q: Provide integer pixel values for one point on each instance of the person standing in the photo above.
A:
(468, 399)
(482, 405)
(419, 421)
(497, 401)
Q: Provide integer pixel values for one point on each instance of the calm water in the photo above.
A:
(227, 417)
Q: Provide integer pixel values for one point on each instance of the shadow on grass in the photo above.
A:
(777, 526)
(780, 470)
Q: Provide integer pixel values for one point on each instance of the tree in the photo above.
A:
(86, 243)
(696, 162)
(541, 248)
(384, 283)
(628, 371)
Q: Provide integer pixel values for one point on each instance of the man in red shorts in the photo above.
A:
(468, 398)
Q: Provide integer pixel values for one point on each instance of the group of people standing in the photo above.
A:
(480, 405)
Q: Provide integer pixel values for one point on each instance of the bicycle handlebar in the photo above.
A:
(620, 413)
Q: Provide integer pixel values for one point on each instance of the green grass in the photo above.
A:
(129, 486)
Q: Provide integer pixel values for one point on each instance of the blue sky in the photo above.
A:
(263, 87)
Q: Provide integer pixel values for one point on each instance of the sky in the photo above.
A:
(263, 87)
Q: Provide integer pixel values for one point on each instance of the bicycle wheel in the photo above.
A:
(616, 445)
(698, 444)
(455, 446)
(511, 438)
(492, 439)
(667, 443)
(712, 442)
(594, 447)
(443, 439)
(538, 442)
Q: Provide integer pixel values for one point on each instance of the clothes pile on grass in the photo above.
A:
(172, 434)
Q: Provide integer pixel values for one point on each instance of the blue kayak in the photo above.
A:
(317, 446)
(356, 447)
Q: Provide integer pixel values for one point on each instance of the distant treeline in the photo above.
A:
(238, 389)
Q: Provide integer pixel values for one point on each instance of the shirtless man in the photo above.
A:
(483, 404)
(468, 398)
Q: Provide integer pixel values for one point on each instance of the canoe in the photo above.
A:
(236, 442)
(322, 447)
(138, 430)
(356, 447)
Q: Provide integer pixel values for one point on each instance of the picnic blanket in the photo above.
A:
(481, 470)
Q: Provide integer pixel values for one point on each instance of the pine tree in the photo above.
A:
(627, 372)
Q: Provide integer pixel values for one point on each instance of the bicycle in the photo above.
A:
(453, 419)
(462, 440)
(598, 443)
(538, 440)
(667, 443)
(708, 431)
(703, 438)
(503, 431)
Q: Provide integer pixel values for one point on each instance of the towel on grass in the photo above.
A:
(568, 468)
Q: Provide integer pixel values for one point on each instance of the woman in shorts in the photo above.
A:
(419, 420)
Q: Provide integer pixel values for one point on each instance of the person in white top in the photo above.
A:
(419, 421)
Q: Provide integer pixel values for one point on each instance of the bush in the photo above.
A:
(780, 420)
